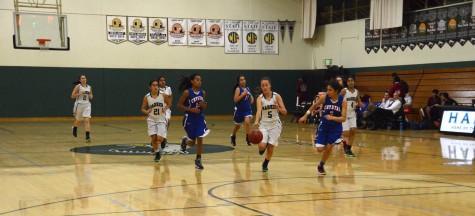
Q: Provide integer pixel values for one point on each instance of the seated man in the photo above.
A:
(392, 106)
(372, 107)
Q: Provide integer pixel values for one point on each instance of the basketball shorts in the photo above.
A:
(349, 123)
(82, 110)
(327, 136)
(271, 133)
(195, 126)
(157, 128)
(239, 116)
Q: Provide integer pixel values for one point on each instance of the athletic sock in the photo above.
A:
(87, 134)
(321, 163)
(265, 163)
(198, 157)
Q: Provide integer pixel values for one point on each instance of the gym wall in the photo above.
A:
(344, 43)
(39, 83)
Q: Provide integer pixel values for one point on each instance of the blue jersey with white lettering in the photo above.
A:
(245, 103)
(193, 101)
(334, 109)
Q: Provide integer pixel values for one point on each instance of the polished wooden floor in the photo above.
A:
(394, 173)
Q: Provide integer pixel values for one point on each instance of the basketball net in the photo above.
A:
(43, 44)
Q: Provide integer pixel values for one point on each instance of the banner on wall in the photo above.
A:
(403, 38)
(116, 29)
(421, 29)
(412, 31)
(394, 43)
(385, 40)
(441, 34)
(368, 44)
(471, 29)
(270, 37)
(464, 18)
(177, 32)
(233, 32)
(215, 35)
(251, 32)
(196, 32)
(376, 40)
(451, 35)
(157, 30)
(431, 28)
(137, 30)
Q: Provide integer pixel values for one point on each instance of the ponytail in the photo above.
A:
(185, 82)
(79, 79)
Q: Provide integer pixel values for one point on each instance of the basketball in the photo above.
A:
(255, 137)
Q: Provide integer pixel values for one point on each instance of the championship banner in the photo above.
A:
(251, 33)
(270, 37)
(157, 30)
(403, 37)
(412, 32)
(137, 27)
(394, 38)
(422, 29)
(431, 28)
(368, 44)
(441, 35)
(452, 14)
(462, 24)
(116, 31)
(471, 29)
(233, 32)
(215, 35)
(177, 32)
(376, 40)
(385, 40)
(196, 32)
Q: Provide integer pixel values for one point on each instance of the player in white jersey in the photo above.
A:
(269, 104)
(155, 105)
(168, 91)
(82, 93)
(352, 96)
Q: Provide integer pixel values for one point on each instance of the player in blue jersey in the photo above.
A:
(330, 129)
(242, 110)
(193, 101)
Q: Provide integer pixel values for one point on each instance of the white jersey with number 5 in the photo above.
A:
(83, 99)
(269, 114)
(156, 104)
(351, 98)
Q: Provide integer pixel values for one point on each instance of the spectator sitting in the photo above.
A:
(371, 108)
(301, 90)
(391, 107)
(365, 98)
(447, 101)
(432, 102)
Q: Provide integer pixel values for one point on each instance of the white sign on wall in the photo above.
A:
(137, 29)
(157, 30)
(215, 35)
(196, 32)
(177, 31)
(251, 32)
(233, 33)
(270, 37)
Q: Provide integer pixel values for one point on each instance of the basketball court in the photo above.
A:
(45, 170)
(394, 173)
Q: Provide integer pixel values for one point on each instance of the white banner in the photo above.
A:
(460, 121)
(137, 27)
(233, 32)
(177, 31)
(196, 32)
(215, 32)
(116, 31)
(251, 33)
(270, 37)
(157, 30)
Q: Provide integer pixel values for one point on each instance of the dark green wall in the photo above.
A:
(45, 91)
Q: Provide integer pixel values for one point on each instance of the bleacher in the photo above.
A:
(459, 83)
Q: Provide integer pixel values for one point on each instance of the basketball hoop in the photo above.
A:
(43, 43)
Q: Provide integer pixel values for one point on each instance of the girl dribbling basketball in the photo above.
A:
(82, 92)
(269, 105)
